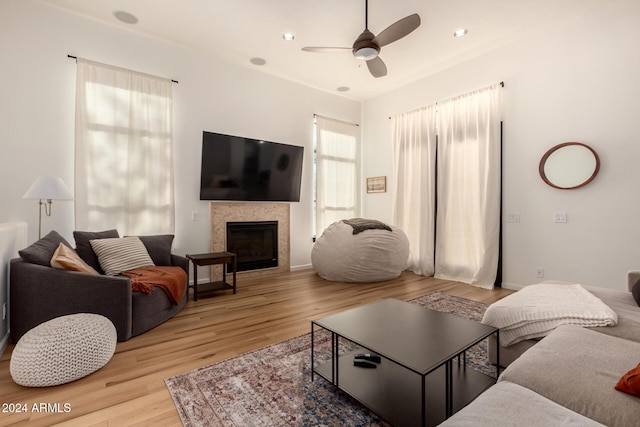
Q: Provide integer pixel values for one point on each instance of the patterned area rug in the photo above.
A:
(272, 386)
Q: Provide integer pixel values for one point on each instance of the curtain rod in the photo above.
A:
(501, 85)
(76, 58)
(335, 120)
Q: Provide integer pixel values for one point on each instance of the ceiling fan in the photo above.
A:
(367, 46)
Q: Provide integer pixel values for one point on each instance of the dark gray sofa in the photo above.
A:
(39, 293)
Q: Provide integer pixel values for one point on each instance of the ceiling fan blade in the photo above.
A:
(398, 30)
(321, 49)
(377, 68)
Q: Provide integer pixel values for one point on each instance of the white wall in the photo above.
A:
(37, 114)
(578, 81)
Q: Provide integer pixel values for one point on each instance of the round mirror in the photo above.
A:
(569, 165)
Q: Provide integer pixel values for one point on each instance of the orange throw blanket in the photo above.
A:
(172, 280)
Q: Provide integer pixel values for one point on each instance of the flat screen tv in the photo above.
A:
(245, 169)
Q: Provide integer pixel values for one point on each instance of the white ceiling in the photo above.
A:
(238, 30)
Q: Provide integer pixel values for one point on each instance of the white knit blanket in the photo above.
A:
(536, 310)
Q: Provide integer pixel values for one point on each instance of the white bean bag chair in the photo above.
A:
(372, 255)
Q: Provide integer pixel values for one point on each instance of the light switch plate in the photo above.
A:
(513, 217)
(559, 217)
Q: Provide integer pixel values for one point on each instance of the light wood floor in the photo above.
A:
(130, 389)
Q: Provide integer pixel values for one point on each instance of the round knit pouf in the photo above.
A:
(63, 349)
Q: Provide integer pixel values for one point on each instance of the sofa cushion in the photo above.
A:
(508, 404)
(578, 368)
(84, 249)
(630, 382)
(41, 251)
(159, 248)
(121, 254)
(67, 259)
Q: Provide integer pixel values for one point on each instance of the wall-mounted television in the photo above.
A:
(245, 169)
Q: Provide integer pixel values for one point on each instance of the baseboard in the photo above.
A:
(512, 286)
(301, 267)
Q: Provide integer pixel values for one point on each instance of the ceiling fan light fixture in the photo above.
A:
(364, 47)
(366, 53)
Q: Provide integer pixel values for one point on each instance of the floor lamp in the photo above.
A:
(47, 189)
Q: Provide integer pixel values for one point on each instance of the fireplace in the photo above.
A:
(255, 243)
(220, 213)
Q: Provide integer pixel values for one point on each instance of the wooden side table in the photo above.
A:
(212, 259)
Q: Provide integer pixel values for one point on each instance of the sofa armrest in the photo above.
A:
(180, 261)
(40, 293)
(632, 277)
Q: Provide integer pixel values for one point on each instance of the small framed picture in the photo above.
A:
(377, 184)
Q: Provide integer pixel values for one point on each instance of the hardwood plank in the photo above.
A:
(130, 389)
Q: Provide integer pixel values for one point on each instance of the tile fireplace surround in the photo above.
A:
(220, 213)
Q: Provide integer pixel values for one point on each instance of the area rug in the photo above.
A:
(272, 386)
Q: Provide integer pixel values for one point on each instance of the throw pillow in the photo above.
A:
(159, 248)
(66, 258)
(117, 255)
(635, 291)
(84, 248)
(41, 251)
(630, 382)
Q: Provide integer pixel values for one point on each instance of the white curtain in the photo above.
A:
(468, 218)
(414, 146)
(124, 151)
(464, 209)
(336, 172)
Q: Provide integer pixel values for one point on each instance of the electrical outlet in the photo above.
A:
(195, 215)
(539, 272)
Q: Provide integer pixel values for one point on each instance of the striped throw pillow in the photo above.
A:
(116, 255)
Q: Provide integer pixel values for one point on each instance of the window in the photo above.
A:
(124, 151)
(336, 172)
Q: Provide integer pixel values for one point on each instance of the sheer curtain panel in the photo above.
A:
(124, 151)
(446, 186)
(468, 218)
(414, 146)
(336, 172)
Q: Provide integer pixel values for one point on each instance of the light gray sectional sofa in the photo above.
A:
(621, 302)
(568, 377)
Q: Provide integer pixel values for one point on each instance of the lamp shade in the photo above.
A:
(49, 188)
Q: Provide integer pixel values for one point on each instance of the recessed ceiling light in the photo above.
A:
(288, 37)
(125, 17)
(461, 32)
(343, 89)
(258, 61)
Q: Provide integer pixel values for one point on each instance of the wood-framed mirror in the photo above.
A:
(569, 165)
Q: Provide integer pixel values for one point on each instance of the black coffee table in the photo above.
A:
(418, 381)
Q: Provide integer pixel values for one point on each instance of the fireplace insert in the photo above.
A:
(255, 244)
